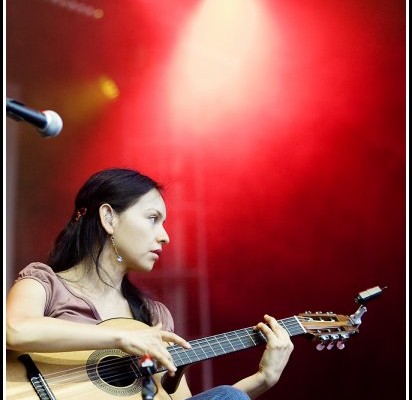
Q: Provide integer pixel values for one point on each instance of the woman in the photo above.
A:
(117, 226)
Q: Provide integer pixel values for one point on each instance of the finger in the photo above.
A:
(163, 358)
(275, 326)
(168, 336)
(168, 363)
(265, 329)
(268, 320)
(176, 339)
(271, 329)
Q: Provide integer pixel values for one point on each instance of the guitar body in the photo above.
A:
(82, 374)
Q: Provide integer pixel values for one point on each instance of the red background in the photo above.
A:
(280, 141)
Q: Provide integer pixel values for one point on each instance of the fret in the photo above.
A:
(231, 345)
(283, 325)
(225, 343)
(234, 341)
(216, 343)
(203, 351)
(252, 338)
(292, 325)
(211, 347)
(183, 361)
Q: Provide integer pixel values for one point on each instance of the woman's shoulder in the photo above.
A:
(37, 270)
(60, 301)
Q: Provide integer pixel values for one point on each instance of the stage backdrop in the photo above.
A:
(278, 132)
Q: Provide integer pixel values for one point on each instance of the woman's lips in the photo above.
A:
(156, 253)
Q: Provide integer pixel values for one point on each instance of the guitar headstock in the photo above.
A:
(328, 329)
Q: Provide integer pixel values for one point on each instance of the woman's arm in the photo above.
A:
(274, 359)
(27, 329)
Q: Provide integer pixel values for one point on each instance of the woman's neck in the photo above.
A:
(87, 276)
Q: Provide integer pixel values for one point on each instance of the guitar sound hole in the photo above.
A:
(115, 371)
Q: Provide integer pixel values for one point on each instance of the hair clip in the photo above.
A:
(80, 213)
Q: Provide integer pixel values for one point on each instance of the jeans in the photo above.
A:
(224, 392)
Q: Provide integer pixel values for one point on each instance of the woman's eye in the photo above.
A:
(153, 218)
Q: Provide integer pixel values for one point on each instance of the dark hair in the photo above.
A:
(84, 237)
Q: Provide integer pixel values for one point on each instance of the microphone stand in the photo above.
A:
(148, 386)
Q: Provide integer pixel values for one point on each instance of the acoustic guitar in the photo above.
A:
(113, 374)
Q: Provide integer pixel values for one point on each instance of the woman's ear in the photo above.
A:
(106, 214)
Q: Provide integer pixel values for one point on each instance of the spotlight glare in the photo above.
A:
(221, 63)
(108, 87)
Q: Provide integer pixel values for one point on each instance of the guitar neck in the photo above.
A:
(225, 343)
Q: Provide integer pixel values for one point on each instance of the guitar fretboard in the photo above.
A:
(225, 343)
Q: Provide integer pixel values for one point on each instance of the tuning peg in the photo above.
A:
(330, 345)
(340, 345)
(320, 346)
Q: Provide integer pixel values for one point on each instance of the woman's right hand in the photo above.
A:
(152, 341)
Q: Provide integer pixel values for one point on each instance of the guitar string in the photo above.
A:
(219, 339)
(196, 344)
(290, 324)
(224, 341)
(113, 365)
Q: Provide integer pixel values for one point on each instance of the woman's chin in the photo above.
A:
(142, 268)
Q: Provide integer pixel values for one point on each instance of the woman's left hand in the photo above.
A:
(277, 352)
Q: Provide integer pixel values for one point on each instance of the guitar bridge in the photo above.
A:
(36, 378)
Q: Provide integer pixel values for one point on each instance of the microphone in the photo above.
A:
(48, 122)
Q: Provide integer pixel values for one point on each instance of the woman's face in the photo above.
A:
(139, 232)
